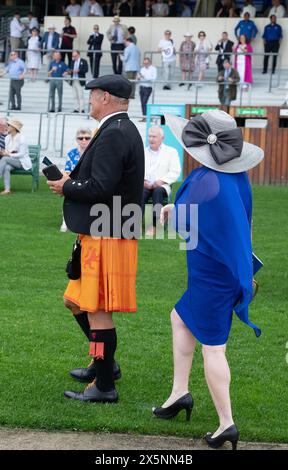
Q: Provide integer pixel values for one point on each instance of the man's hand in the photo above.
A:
(158, 184)
(147, 185)
(57, 186)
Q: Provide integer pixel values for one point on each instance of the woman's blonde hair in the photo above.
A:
(83, 130)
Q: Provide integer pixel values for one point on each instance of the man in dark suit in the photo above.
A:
(103, 196)
(225, 48)
(227, 79)
(95, 42)
(78, 69)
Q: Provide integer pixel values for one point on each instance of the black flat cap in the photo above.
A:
(115, 85)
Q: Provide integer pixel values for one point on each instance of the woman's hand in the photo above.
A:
(165, 213)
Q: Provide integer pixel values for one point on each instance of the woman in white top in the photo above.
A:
(15, 155)
(34, 54)
(202, 49)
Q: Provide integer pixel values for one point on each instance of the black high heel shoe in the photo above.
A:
(184, 403)
(230, 434)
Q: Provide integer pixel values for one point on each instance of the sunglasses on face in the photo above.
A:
(84, 138)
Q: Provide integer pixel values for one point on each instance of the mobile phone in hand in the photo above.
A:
(51, 171)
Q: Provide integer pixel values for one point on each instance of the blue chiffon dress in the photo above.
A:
(219, 269)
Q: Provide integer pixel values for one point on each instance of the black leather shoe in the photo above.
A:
(230, 434)
(87, 374)
(184, 403)
(93, 394)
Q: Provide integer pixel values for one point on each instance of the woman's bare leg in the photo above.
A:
(217, 374)
(183, 351)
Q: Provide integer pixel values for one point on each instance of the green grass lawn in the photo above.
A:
(40, 342)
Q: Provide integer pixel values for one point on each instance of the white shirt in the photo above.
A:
(16, 28)
(168, 50)
(76, 67)
(96, 10)
(160, 9)
(118, 30)
(148, 73)
(278, 11)
(108, 116)
(164, 165)
(85, 9)
(249, 9)
(73, 10)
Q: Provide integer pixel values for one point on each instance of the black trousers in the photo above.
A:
(96, 66)
(69, 55)
(15, 90)
(145, 92)
(270, 46)
(158, 195)
(116, 61)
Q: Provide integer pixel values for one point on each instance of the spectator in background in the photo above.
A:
(57, 69)
(229, 78)
(16, 30)
(33, 22)
(226, 10)
(16, 70)
(272, 37)
(246, 27)
(131, 61)
(187, 58)
(167, 48)
(159, 8)
(202, 58)
(243, 61)
(224, 48)
(108, 8)
(34, 54)
(73, 9)
(95, 9)
(132, 32)
(248, 7)
(277, 9)
(162, 169)
(83, 137)
(50, 42)
(172, 8)
(148, 9)
(85, 8)
(95, 43)
(78, 69)
(3, 133)
(68, 35)
(15, 155)
(116, 34)
(147, 75)
(128, 8)
(185, 9)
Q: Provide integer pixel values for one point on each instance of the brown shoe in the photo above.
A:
(5, 193)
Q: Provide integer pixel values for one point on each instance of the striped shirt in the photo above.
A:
(2, 141)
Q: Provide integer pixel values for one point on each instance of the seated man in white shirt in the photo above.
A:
(162, 169)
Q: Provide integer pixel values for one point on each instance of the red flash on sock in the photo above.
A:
(96, 350)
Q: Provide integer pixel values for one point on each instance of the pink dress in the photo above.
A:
(243, 64)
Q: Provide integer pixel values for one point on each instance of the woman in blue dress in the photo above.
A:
(219, 259)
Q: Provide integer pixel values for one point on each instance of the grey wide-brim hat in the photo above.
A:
(219, 121)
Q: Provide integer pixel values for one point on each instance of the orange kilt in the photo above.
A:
(108, 276)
